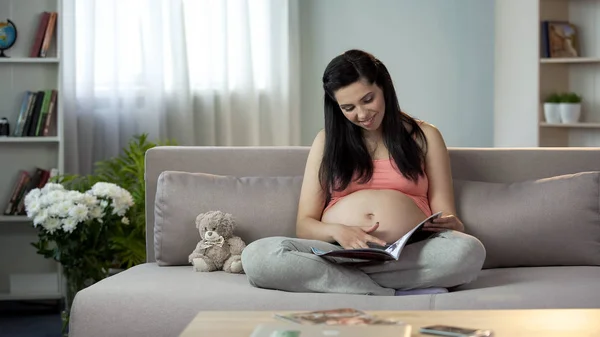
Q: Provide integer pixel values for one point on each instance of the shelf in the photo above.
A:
(571, 60)
(29, 60)
(29, 139)
(571, 125)
(30, 296)
(14, 218)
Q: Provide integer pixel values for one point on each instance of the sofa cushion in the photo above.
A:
(261, 206)
(526, 288)
(151, 300)
(553, 221)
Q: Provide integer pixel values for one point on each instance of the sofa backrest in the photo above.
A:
(235, 161)
(473, 170)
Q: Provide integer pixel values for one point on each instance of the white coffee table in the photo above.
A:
(504, 323)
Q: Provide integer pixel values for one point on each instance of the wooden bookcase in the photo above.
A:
(524, 78)
(19, 73)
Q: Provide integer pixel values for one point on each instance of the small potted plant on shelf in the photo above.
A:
(551, 108)
(570, 108)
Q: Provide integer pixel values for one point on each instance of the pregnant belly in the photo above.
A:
(396, 212)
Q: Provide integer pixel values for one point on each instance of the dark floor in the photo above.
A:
(30, 319)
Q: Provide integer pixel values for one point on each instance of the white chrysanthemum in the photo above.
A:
(33, 208)
(32, 196)
(122, 203)
(126, 199)
(109, 190)
(119, 210)
(96, 212)
(43, 200)
(74, 196)
(52, 187)
(125, 220)
(40, 219)
(79, 212)
(51, 224)
(103, 189)
(89, 200)
(121, 199)
(69, 224)
(60, 209)
(54, 210)
(55, 196)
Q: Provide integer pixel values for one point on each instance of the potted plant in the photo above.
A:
(570, 108)
(551, 108)
(109, 243)
(75, 229)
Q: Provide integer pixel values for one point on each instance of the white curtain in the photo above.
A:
(202, 72)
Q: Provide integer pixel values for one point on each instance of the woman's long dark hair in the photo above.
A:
(345, 152)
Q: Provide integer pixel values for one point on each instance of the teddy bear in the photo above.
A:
(219, 248)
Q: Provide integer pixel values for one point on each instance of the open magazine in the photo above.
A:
(341, 316)
(339, 322)
(389, 252)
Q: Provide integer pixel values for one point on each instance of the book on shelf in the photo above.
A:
(44, 34)
(38, 111)
(559, 39)
(26, 182)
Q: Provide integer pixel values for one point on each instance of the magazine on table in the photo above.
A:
(341, 316)
(380, 253)
(283, 329)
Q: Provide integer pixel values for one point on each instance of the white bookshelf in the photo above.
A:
(523, 78)
(30, 59)
(19, 73)
(31, 296)
(14, 218)
(29, 139)
(571, 60)
(587, 125)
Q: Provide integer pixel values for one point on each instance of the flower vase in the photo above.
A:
(74, 285)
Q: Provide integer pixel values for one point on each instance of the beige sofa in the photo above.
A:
(542, 236)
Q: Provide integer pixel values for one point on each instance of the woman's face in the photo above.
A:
(362, 103)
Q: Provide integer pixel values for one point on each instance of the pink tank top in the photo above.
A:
(385, 176)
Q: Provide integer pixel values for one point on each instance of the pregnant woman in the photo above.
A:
(372, 174)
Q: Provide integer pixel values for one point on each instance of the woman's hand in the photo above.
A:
(354, 237)
(443, 223)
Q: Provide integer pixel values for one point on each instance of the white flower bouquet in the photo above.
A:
(56, 209)
(76, 228)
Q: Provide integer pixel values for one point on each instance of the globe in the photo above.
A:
(8, 36)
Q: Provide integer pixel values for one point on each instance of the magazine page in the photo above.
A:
(391, 252)
(396, 248)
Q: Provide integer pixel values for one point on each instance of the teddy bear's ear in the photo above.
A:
(199, 219)
(229, 217)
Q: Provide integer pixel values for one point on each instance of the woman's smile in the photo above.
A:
(368, 122)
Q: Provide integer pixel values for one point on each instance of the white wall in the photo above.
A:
(517, 73)
(440, 54)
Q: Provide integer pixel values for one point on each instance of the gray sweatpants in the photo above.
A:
(447, 259)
